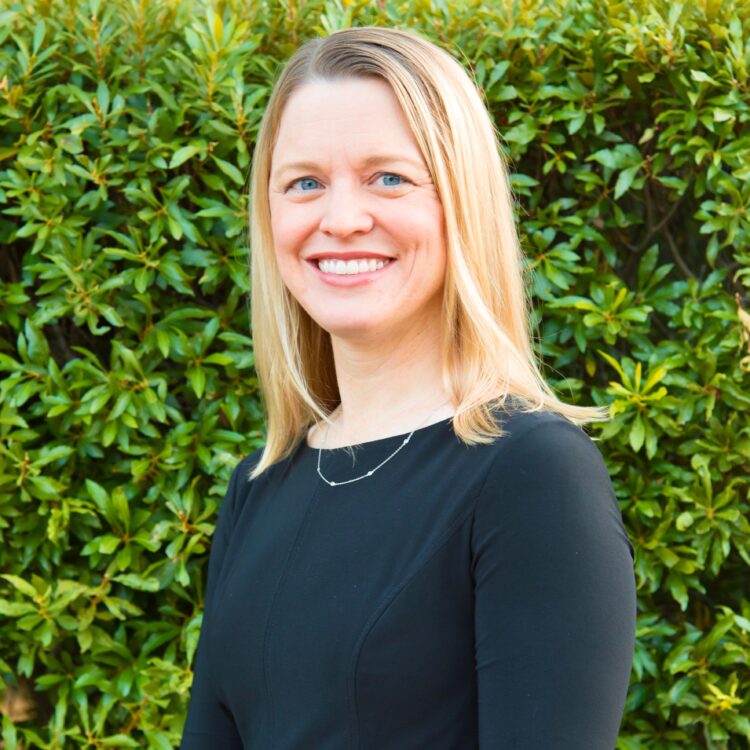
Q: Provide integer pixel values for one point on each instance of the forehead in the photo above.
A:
(340, 115)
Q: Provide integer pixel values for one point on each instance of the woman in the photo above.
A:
(427, 553)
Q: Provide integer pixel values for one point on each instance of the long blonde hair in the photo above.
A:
(487, 354)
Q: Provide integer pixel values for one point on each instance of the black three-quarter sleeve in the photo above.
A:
(209, 725)
(555, 599)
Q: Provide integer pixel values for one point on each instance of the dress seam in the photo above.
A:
(270, 711)
(385, 604)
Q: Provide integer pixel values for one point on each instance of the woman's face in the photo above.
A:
(349, 189)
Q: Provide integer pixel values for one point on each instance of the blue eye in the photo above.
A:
(392, 174)
(305, 183)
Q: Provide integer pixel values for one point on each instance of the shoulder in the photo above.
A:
(241, 472)
(543, 437)
(239, 482)
(544, 472)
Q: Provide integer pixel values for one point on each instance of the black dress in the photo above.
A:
(458, 598)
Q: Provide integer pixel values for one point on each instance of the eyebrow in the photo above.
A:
(370, 161)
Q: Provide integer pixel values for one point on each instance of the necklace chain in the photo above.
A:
(372, 471)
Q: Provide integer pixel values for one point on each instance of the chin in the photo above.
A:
(351, 329)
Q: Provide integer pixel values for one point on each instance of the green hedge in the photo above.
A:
(127, 385)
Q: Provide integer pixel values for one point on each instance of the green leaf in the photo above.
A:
(699, 75)
(40, 30)
(102, 97)
(229, 170)
(134, 581)
(98, 494)
(218, 359)
(21, 585)
(53, 454)
(10, 736)
(625, 180)
(182, 155)
(15, 609)
(637, 434)
(108, 543)
(158, 740)
(37, 344)
(121, 507)
(218, 29)
(197, 378)
(118, 740)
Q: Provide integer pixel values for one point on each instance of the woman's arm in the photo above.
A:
(555, 599)
(209, 724)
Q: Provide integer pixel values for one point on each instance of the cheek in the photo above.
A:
(421, 228)
(279, 224)
(289, 228)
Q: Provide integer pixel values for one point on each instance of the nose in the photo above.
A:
(345, 211)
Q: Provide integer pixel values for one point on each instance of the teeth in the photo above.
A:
(344, 267)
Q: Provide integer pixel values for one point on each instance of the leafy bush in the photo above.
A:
(127, 382)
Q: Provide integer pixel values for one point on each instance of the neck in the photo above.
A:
(386, 390)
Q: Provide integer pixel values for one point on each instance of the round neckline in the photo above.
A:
(377, 441)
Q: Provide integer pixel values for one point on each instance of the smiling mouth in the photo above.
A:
(351, 267)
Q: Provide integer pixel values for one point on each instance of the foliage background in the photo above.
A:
(126, 358)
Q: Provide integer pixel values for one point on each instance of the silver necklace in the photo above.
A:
(372, 471)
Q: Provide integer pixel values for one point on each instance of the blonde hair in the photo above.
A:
(487, 355)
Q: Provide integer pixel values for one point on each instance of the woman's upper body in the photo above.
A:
(458, 598)
(475, 590)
